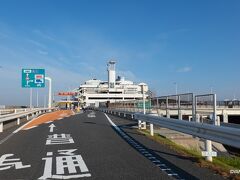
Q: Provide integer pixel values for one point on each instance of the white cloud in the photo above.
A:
(42, 52)
(43, 34)
(184, 69)
(36, 43)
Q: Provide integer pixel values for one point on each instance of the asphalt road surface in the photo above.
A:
(91, 145)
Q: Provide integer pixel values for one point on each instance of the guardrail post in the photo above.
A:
(18, 121)
(197, 118)
(168, 114)
(27, 117)
(151, 129)
(1, 127)
(215, 109)
(218, 121)
(180, 114)
(139, 124)
(15, 111)
(144, 125)
(208, 147)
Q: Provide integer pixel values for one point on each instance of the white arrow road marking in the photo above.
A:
(51, 127)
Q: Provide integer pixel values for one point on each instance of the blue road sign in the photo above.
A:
(33, 78)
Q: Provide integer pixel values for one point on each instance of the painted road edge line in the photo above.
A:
(29, 128)
(48, 122)
(144, 151)
(14, 132)
(26, 124)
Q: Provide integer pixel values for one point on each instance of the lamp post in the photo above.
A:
(30, 98)
(49, 92)
(37, 98)
(144, 89)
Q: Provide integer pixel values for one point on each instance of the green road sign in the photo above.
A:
(33, 78)
(147, 105)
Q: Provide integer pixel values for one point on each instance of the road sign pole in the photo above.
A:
(30, 98)
(37, 97)
(49, 92)
(44, 104)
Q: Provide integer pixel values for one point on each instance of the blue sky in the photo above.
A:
(193, 43)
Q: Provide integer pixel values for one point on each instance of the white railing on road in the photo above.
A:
(224, 135)
(18, 115)
(9, 111)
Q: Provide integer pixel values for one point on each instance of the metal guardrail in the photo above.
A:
(224, 135)
(19, 115)
(9, 111)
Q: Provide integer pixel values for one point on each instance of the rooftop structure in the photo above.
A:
(94, 91)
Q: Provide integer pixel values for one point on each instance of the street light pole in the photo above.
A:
(144, 107)
(37, 98)
(30, 98)
(49, 92)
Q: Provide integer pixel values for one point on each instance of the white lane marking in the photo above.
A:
(69, 152)
(91, 115)
(51, 127)
(71, 176)
(59, 139)
(6, 138)
(7, 163)
(143, 151)
(48, 122)
(151, 157)
(29, 128)
(49, 153)
(167, 169)
(26, 124)
(47, 168)
(66, 166)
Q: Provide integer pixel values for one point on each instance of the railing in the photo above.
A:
(9, 111)
(224, 135)
(19, 115)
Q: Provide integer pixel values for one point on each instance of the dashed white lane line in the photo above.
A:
(144, 151)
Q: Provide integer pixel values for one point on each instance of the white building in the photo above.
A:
(115, 89)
